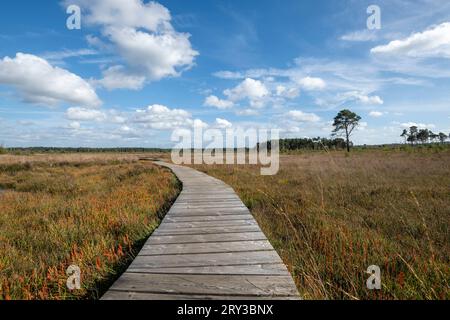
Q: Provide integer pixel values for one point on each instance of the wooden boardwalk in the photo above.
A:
(207, 247)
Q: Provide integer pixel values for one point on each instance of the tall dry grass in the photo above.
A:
(331, 216)
(85, 212)
(75, 157)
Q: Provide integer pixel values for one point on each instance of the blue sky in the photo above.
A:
(138, 71)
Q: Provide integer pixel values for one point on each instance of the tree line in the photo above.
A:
(317, 143)
(414, 135)
(345, 122)
(344, 125)
(81, 150)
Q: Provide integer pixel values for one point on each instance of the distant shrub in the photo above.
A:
(2, 149)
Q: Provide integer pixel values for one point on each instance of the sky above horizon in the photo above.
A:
(138, 71)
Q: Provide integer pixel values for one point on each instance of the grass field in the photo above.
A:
(330, 216)
(93, 211)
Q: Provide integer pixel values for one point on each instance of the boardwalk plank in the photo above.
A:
(206, 259)
(125, 295)
(247, 269)
(207, 247)
(212, 247)
(206, 284)
(205, 238)
(173, 219)
(206, 224)
(208, 230)
(208, 212)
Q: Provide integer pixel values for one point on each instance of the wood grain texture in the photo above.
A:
(207, 247)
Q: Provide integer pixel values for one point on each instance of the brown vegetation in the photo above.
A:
(331, 216)
(93, 211)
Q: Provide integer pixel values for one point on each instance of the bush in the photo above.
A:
(2, 149)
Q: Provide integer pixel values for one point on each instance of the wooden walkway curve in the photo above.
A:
(208, 246)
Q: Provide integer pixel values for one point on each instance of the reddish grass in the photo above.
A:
(86, 212)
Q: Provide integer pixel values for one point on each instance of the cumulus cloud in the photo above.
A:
(116, 116)
(311, 83)
(214, 101)
(223, 123)
(158, 55)
(197, 123)
(434, 42)
(253, 90)
(83, 114)
(361, 97)
(142, 34)
(161, 117)
(300, 116)
(376, 114)
(131, 13)
(116, 77)
(38, 82)
(285, 92)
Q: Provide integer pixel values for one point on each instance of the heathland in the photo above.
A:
(92, 211)
(330, 215)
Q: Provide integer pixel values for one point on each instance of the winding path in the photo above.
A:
(207, 247)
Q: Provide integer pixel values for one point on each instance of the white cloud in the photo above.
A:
(161, 117)
(228, 75)
(343, 98)
(360, 35)
(197, 123)
(214, 101)
(142, 34)
(131, 13)
(311, 83)
(361, 97)
(376, 114)
(247, 112)
(158, 55)
(83, 114)
(39, 82)
(223, 124)
(407, 125)
(434, 42)
(125, 129)
(116, 116)
(58, 56)
(362, 126)
(253, 90)
(116, 77)
(300, 116)
(285, 92)
(75, 125)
